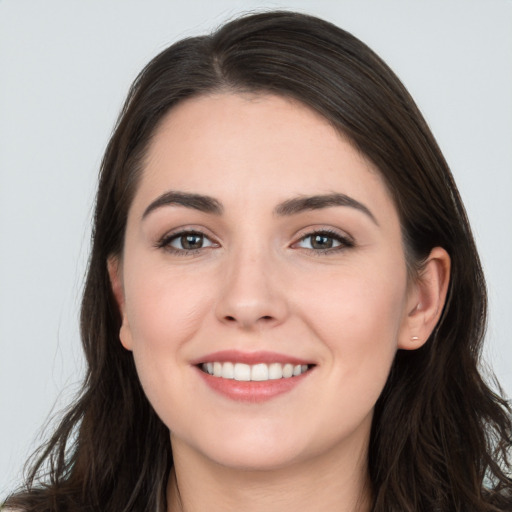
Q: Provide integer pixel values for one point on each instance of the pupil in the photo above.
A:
(192, 241)
(321, 242)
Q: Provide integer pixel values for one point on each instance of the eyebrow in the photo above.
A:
(289, 207)
(301, 204)
(199, 202)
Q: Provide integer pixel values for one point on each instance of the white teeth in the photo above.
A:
(257, 372)
(275, 371)
(217, 369)
(287, 370)
(242, 372)
(228, 371)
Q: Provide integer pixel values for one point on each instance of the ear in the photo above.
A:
(115, 272)
(426, 300)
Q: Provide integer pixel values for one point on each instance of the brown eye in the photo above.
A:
(186, 241)
(324, 241)
(321, 242)
(191, 241)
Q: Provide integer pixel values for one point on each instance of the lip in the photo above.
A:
(251, 391)
(237, 356)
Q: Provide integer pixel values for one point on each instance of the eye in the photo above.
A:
(322, 241)
(186, 241)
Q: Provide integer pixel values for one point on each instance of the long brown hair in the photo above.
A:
(440, 437)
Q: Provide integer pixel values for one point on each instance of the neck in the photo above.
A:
(337, 481)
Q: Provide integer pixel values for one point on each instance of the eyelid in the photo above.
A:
(346, 240)
(164, 241)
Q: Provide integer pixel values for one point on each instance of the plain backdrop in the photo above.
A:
(65, 67)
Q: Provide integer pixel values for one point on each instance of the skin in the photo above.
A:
(259, 284)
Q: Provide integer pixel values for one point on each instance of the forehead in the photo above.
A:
(245, 146)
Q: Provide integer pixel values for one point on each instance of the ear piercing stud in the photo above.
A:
(414, 338)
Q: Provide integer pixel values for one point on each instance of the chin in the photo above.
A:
(254, 448)
(256, 458)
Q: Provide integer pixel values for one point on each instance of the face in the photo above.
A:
(263, 248)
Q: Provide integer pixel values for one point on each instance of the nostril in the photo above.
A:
(266, 318)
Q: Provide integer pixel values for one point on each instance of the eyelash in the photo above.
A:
(345, 242)
(166, 240)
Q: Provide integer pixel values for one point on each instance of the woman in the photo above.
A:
(284, 304)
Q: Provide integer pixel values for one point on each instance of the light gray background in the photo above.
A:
(65, 67)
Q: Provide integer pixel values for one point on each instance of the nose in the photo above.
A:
(251, 295)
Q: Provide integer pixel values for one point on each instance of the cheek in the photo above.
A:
(359, 322)
(164, 308)
(164, 311)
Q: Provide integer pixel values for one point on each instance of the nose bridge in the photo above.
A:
(250, 294)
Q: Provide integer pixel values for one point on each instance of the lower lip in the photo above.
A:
(252, 391)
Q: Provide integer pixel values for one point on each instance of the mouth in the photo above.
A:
(252, 377)
(260, 372)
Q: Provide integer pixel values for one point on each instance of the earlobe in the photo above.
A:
(115, 274)
(426, 300)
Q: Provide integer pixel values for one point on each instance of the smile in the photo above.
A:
(252, 377)
(257, 372)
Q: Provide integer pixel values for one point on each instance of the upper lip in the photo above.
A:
(251, 358)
